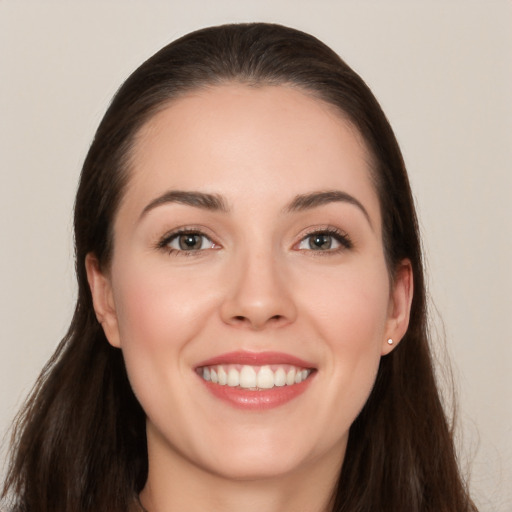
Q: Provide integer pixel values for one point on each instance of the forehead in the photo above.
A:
(243, 141)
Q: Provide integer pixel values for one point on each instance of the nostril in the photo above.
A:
(242, 319)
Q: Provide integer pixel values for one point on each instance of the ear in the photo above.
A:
(103, 299)
(399, 306)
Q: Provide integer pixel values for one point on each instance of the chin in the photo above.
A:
(270, 457)
(239, 468)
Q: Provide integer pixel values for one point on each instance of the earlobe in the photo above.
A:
(400, 307)
(102, 298)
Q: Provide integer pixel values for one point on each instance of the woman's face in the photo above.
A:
(248, 288)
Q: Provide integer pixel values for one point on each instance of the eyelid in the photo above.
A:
(164, 241)
(176, 238)
(342, 237)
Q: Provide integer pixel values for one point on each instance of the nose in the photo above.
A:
(259, 295)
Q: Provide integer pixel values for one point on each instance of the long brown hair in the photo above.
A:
(79, 443)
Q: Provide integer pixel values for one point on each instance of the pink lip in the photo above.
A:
(246, 399)
(256, 359)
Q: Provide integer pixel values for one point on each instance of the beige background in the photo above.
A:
(443, 73)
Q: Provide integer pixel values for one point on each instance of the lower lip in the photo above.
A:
(258, 400)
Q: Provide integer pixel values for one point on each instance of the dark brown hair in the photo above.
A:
(79, 443)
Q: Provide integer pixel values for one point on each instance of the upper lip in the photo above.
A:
(256, 359)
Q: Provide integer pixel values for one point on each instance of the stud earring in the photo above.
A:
(390, 341)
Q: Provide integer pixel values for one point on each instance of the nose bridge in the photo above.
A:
(259, 294)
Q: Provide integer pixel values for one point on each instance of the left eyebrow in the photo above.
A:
(315, 199)
(201, 200)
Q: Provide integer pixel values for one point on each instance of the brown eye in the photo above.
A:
(190, 242)
(320, 242)
(325, 241)
(187, 242)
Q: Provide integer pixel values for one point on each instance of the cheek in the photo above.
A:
(156, 307)
(349, 314)
(350, 307)
(158, 314)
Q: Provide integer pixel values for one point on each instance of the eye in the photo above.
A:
(326, 240)
(186, 241)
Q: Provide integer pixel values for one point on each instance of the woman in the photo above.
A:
(250, 329)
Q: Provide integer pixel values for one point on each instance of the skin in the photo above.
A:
(255, 284)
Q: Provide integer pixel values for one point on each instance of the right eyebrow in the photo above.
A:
(201, 200)
(315, 199)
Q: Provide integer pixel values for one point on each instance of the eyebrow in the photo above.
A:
(315, 199)
(215, 202)
(212, 202)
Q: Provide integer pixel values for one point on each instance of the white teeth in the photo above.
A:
(233, 378)
(279, 377)
(247, 377)
(223, 377)
(254, 377)
(265, 378)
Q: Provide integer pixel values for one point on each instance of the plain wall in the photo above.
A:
(443, 73)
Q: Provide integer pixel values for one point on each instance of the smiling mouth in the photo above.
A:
(254, 378)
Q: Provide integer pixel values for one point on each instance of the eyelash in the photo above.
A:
(339, 236)
(163, 244)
